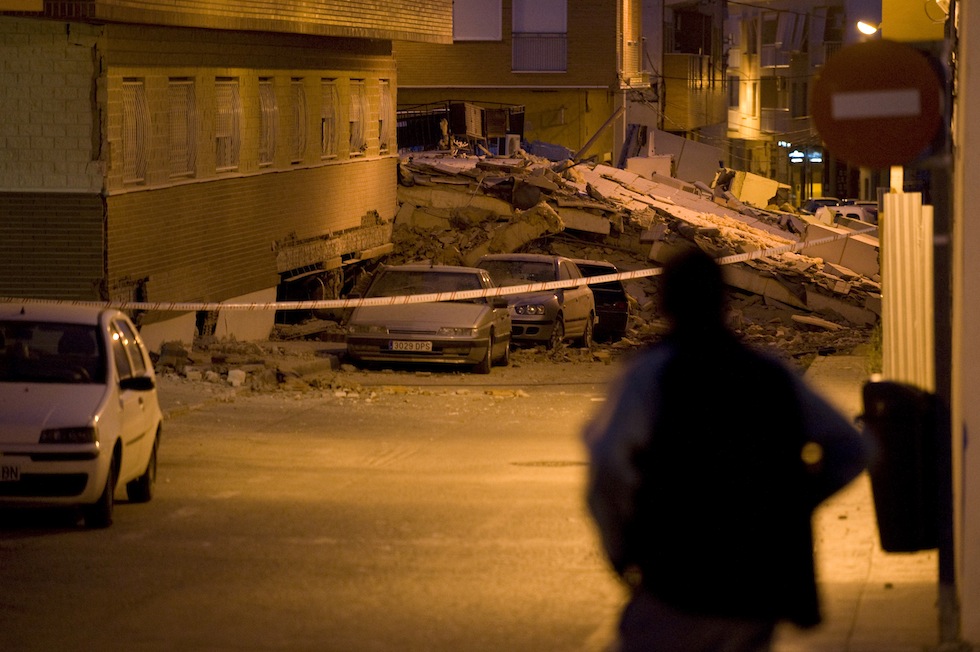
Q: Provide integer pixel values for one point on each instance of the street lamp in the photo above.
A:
(867, 28)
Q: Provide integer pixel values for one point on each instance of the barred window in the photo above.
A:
(386, 118)
(227, 135)
(135, 127)
(181, 141)
(539, 36)
(330, 105)
(268, 122)
(358, 112)
(297, 144)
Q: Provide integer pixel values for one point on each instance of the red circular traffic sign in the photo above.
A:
(877, 103)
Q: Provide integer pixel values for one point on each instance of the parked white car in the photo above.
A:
(80, 421)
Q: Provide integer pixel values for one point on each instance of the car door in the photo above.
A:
(499, 309)
(135, 415)
(578, 300)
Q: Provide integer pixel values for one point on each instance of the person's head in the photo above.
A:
(692, 292)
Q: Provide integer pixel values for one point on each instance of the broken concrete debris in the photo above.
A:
(455, 208)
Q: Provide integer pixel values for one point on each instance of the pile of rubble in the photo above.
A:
(453, 209)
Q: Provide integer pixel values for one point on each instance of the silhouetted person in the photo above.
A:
(706, 464)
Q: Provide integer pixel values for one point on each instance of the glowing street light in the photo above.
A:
(867, 28)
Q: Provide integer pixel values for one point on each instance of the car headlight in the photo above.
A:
(85, 435)
(365, 329)
(529, 309)
(454, 331)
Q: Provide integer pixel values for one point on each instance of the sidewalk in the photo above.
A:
(873, 601)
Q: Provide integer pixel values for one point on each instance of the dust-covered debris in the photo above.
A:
(453, 209)
(636, 223)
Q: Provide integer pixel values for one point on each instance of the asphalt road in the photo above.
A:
(385, 515)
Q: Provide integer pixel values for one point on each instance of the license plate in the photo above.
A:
(9, 472)
(402, 345)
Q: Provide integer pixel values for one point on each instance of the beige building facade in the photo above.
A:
(191, 155)
(570, 65)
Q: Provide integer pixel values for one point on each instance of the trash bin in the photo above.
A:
(902, 422)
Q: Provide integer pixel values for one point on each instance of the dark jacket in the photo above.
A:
(698, 478)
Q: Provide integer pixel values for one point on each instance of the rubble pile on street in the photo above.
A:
(456, 208)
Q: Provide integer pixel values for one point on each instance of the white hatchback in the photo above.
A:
(80, 421)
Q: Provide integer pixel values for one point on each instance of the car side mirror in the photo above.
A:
(137, 384)
(499, 302)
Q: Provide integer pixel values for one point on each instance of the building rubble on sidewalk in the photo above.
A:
(455, 208)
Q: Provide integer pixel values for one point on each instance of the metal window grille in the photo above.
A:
(298, 135)
(135, 128)
(268, 122)
(538, 52)
(227, 135)
(358, 140)
(386, 118)
(330, 104)
(181, 141)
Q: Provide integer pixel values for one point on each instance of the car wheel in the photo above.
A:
(483, 366)
(586, 340)
(504, 358)
(140, 490)
(557, 333)
(99, 513)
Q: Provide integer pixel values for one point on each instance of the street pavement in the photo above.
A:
(873, 601)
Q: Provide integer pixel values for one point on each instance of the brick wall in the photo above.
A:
(48, 133)
(428, 20)
(213, 241)
(51, 245)
(210, 236)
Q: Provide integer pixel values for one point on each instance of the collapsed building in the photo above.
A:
(453, 208)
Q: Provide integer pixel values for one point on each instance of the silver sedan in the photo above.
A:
(474, 331)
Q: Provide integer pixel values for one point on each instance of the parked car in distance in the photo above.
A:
(80, 422)
(546, 317)
(612, 304)
(474, 332)
(870, 208)
(811, 205)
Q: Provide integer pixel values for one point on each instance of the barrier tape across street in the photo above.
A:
(423, 298)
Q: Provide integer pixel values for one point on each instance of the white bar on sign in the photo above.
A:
(891, 103)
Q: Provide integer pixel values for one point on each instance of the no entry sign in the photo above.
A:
(877, 103)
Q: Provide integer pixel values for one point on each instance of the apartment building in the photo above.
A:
(568, 68)
(774, 52)
(194, 153)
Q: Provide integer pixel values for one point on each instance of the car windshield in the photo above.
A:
(45, 352)
(519, 272)
(392, 283)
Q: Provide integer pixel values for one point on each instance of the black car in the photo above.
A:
(612, 304)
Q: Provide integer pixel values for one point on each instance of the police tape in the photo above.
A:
(461, 295)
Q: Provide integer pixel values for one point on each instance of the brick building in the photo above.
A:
(161, 153)
(571, 66)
